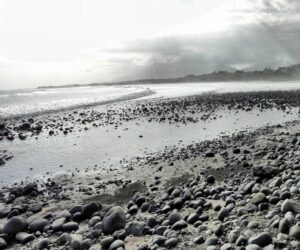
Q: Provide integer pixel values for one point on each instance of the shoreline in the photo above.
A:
(196, 195)
(235, 191)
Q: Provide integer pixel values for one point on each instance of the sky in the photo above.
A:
(54, 42)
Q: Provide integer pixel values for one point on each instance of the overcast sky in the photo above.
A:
(56, 42)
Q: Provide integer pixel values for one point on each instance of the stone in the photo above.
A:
(211, 241)
(258, 198)
(76, 240)
(174, 217)
(42, 244)
(262, 239)
(70, 226)
(90, 209)
(106, 242)
(290, 205)
(265, 171)
(223, 213)
(116, 245)
(3, 243)
(227, 246)
(58, 223)
(114, 219)
(284, 226)
(179, 225)
(63, 239)
(172, 242)
(24, 238)
(86, 244)
(38, 225)
(135, 228)
(14, 225)
(159, 240)
(295, 232)
(193, 218)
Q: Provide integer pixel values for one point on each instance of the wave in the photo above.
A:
(126, 97)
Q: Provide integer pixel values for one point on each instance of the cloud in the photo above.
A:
(268, 41)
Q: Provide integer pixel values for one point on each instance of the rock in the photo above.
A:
(262, 239)
(93, 221)
(253, 247)
(172, 242)
(179, 225)
(116, 245)
(106, 242)
(233, 236)
(209, 154)
(23, 237)
(38, 225)
(86, 244)
(158, 240)
(236, 151)
(199, 240)
(193, 218)
(210, 179)
(211, 241)
(265, 171)
(63, 239)
(258, 198)
(227, 246)
(90, 209)
(42, 244)
(70, 226)
(284, 226)
(151, 222)
(223, 213)
(135, 228)
(290, 205)
(3, 243)
(63, 214)
(58, 223)
(173, 218)
(295, 232)
(114, 219)
(76, 240)
(14, 225)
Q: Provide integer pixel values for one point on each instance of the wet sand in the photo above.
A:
(165, 162)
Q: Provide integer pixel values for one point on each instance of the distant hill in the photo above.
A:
(280, 74)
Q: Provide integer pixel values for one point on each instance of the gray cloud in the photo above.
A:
(270, 42)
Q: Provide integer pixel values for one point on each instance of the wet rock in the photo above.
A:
(135, 228)
(179, 225)
(70, 226)
(14, 225)
(42, 244)
(290, 205)
(106, 242)
(38, 225)
(90, 209)
(223, 213)
(284, 226)
(262, 239)
(114, 219)
(258, 198)
(158, 240)
(3, 243)
(63, 239)
(116, 245)
(23, 237)
(295, 232)
(265, 171)
(171, 243)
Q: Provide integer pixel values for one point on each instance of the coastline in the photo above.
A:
(189, 196)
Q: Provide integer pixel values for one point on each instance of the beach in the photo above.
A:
(155, 167)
